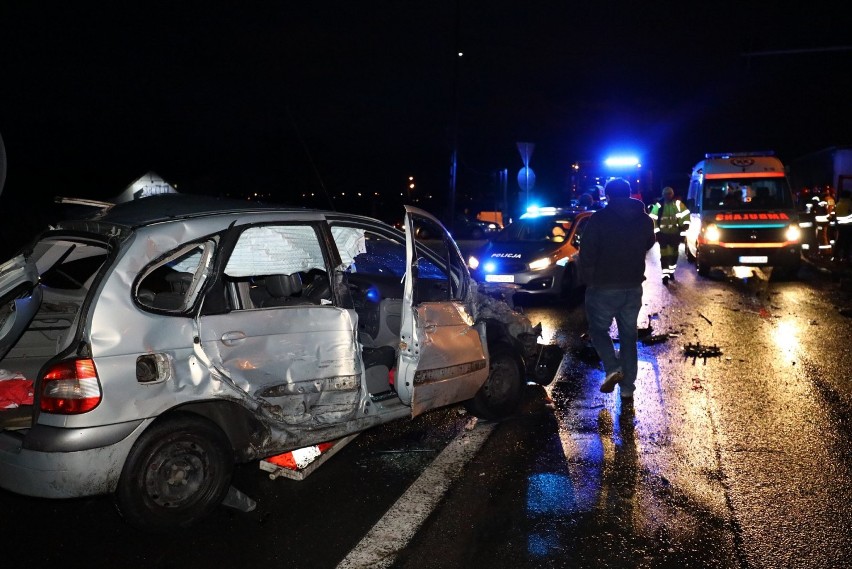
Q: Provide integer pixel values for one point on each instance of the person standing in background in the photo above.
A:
(612, 266)
(671, 220)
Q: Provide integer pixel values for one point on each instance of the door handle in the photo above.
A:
(232, 338)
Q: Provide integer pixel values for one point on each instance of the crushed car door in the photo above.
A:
(293, 357)
(442, 353)
(20, 299)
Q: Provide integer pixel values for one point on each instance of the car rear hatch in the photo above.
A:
(42, 294)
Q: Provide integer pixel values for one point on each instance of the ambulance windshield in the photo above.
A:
(747, 194)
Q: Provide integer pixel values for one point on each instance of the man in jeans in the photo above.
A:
(612, 265)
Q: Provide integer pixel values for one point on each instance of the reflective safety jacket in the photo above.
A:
(670, 217)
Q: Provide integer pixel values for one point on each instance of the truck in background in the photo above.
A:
(742, 213)
(826, 168)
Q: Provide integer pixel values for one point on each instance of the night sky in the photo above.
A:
(283, 98)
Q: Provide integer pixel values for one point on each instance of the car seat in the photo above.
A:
(317, 286)
(284, 290)
(179, 283)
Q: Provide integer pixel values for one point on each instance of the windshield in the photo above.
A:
(747, 194)
(550, 228)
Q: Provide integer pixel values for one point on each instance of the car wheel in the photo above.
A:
(500, 395)
(571, 289)
(177, 473)
(703, 270)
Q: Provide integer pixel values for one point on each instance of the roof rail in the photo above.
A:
(83, 201)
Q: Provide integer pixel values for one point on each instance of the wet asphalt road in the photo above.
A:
(741, 460)
(736, 460)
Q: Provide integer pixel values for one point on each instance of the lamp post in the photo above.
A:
(455, 127)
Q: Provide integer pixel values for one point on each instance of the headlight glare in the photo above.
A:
(540, 264)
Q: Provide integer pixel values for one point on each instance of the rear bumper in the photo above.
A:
(71, 474)
(718, 256)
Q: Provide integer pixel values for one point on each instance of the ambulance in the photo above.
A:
(742, 213)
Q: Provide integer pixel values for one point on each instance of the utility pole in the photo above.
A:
(455, 126)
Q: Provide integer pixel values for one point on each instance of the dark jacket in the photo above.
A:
(614, 244)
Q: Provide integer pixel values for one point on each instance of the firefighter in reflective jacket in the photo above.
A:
(671, 220)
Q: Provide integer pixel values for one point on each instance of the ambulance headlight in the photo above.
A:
(793, 233)
(473, 263)
(712, 233)
(540, 264)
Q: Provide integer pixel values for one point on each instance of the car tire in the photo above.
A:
(177, 473)
(702, 268)
(500, 395)
(570, 290)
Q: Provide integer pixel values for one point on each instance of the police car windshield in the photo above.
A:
(747, 194)
(543, 228)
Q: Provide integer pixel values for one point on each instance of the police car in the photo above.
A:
(535, 255)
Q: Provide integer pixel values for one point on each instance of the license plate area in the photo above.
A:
(499, 278)
(754, 259)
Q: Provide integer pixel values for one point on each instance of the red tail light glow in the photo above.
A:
(70, 387)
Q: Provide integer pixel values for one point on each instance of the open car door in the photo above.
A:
(20, 298)
(442, 352)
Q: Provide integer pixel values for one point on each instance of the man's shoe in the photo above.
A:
(666, 280)
(610, 382)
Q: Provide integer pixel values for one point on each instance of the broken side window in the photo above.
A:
(172, 282)
(277, 266)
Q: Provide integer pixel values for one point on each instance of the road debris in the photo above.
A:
(696, 351)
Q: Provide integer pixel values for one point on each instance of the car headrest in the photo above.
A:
(284, 285)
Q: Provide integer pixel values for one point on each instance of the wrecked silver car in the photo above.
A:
(169, 338)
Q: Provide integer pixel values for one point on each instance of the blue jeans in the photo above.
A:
(622, 304)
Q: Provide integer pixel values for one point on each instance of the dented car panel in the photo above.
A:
(302, 362)
(442, 356)
(451, 363)
(251, 331)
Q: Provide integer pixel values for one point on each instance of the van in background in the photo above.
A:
(742, 214)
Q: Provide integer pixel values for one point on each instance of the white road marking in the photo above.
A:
(378, 549)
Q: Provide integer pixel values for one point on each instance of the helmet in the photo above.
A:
(668, 192)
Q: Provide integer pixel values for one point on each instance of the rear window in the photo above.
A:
(68, 265)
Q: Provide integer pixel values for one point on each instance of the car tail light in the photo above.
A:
(70, 387)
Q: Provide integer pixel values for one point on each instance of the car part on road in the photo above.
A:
(696, 351)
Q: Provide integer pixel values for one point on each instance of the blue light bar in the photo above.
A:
(621, 161)
(726, 155)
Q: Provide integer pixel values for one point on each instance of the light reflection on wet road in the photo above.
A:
(737, 460)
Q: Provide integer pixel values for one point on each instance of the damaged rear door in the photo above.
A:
(442, 353)
(292, 357)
